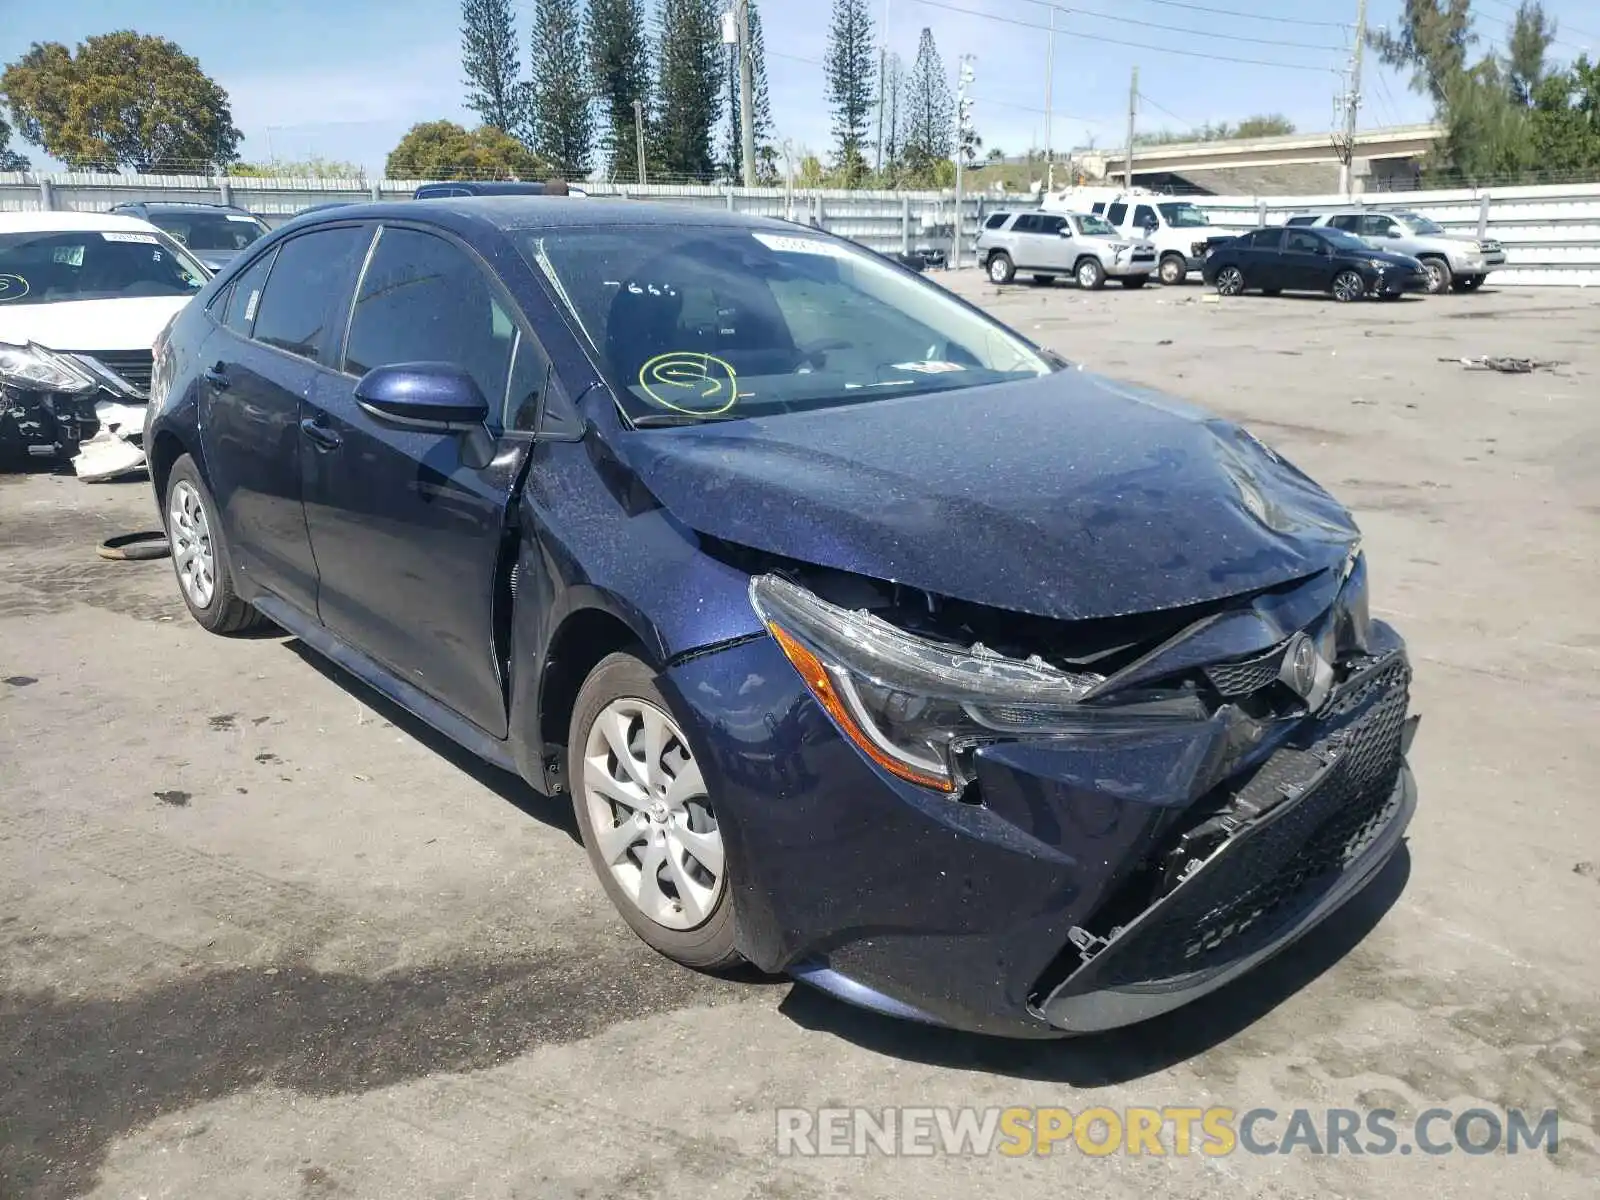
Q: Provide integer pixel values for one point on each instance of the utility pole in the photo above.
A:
(1133, 109)
(1049, 92)
(747, 96)
(963, 123)
(1352, 104)
(638, 138)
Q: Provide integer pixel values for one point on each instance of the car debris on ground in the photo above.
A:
(1506, 366)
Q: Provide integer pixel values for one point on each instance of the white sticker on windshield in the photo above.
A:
(800, 245)
(142, 239)
(241, 220)
(250, 308)
(929, 368)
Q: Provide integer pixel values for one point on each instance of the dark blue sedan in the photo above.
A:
(872, 643)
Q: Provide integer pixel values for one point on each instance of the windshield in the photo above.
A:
(1096, 226)
(1184, 216)
(47, 267)
(1346, 241)
(208, 231)
(702, 322)
(1422, 225)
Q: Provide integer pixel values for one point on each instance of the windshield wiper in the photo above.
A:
(668, 419)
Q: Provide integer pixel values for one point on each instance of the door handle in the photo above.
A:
(327, 439)
(217, 377)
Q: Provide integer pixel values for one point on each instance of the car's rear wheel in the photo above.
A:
(1134, 281)
(1439, 275)
(647, 818)
(200, 554)
(1174, 269)
(1001, 268)
(1230, 281)
(1348, 286)
(1091, 275)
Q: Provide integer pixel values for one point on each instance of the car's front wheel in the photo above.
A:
(1440, 277)
(1230, 281)
(1348, 286)
(1091, 275)
(647, 817)
(200, 554)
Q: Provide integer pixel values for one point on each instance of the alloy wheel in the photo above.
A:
(1230, 281)
(999, 269)
(190, 534)
(651, 816)
(1348, 286)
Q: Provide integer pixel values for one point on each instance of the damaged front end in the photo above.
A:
(1190, 789)
(57, 407)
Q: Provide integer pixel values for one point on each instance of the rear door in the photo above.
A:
(408, 535)
(259, 368)
(1307, 265)
(1261, 258)
(1024, 238)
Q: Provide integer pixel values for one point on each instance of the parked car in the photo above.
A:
(872, 642)
(1045, 245)
(1277, 259)
(213, 233)
(82, 298)
(1452, 261)
(445, 191)
(1182, 233)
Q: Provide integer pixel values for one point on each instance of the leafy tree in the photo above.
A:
(123, 100)
(733, 142)
(489, 60)
(619, 66)
(1532, 34)
(444, 150)
(1431, 42)
(851, 82)
(691, 79)
(894, 117)
(314, 167)
(1264, 125)
(930, 113)
(561, 117)
(10, 160)
(1566, 118)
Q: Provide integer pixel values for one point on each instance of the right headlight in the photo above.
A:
(35, 369)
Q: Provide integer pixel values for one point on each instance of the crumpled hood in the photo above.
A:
(132, 324)
(1069, 496)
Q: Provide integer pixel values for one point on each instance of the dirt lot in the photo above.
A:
(263, 936)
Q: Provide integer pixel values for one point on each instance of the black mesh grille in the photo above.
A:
(1244, 678)
(135, 366)
(1243, 899)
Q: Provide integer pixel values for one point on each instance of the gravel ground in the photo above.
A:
(261, 935)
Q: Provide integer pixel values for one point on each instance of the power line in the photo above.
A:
(1189, 125)
(1218, 12)
(1094, 37)
(1187, 31)
(1560, 24)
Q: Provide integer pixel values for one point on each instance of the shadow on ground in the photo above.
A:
(1121, 1056)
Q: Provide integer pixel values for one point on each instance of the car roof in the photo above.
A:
(182, 206)
(509, 213)
(69, 222)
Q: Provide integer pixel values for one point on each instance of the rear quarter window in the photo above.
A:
(997, 220)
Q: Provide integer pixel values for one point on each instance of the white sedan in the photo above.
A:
(83, 297)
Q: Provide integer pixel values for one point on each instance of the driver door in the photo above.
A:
(407, 531)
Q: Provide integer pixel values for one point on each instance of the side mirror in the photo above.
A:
(431, 396)
(423, 396)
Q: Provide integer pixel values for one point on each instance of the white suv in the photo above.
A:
(1453, 262)
(1045, 245)
(1182, 233)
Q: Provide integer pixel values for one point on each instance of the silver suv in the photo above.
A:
(1045, 245)
(1453, 261)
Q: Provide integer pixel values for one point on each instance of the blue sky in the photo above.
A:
(345, 78)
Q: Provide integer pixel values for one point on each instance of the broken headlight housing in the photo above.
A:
(32, 368)
(914, 706)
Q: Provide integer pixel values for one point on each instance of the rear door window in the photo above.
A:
(1303, 243)
(308, 292)
(1349, 222)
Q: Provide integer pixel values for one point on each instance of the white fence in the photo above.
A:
(1551, 232)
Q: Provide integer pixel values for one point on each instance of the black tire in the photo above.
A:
(1045, 280)
(1174, 270)
(708, 946)
(224, 613)
(1441, 277)
(1134, 281)
(1000, 267)
(1091, 276)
